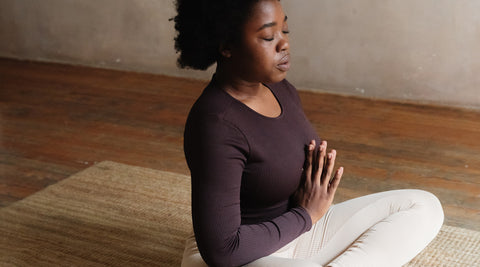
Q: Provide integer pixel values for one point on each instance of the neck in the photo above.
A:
(235, 85)
(255, 95)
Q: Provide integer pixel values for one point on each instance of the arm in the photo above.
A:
(217, 153)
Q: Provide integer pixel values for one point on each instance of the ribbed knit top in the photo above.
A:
(244, 168)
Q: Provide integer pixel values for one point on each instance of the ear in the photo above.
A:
(225, 51)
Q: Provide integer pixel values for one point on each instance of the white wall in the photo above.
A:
(408, 50)
(421, 50)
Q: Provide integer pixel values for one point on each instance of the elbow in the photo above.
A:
(220, 249)
(222, 256)
(216, 258)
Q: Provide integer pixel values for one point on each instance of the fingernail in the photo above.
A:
(330, 155)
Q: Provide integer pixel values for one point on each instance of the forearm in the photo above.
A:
(222, 245)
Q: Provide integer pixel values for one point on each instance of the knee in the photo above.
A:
(431, 208)
(273, 261)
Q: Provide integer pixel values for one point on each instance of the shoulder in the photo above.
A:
(213, 100)
(211, 135)
(212, 117)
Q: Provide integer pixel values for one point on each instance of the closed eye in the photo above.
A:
(271, 24)
(272, 38)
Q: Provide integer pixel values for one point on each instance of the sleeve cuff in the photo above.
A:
(306, 217)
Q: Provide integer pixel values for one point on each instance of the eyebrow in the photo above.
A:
(271, 24)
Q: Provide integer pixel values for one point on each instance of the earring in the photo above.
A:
(226, 53)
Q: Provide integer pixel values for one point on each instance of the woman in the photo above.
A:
(262, 180)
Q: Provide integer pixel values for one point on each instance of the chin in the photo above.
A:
(279, 78)
(274, 77)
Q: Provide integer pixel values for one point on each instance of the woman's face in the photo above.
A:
(263, 52)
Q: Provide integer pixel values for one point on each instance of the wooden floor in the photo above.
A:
(57, 120)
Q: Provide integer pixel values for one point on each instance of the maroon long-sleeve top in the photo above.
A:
(244, 169)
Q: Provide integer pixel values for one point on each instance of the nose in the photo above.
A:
(283, 44)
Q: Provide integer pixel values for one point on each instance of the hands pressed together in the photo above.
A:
(319, 181)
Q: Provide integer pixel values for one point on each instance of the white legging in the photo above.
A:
(383, 229)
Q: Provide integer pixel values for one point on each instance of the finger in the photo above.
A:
(316, 156)
(320, 162)
(327, 174)
(335, 181)
(308, 162)
(324, 161)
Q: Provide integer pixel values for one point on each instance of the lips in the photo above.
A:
(284, 64)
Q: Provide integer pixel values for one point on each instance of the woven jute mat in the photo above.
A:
(113, 214)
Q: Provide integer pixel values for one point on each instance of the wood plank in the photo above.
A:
(57, 120)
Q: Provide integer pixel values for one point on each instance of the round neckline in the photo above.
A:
(252, 110)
